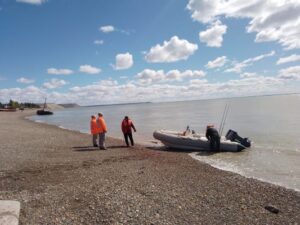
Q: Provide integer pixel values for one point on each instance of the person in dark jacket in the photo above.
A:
(127, 126)
(213, 137)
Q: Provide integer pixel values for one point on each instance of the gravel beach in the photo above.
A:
(59, 178)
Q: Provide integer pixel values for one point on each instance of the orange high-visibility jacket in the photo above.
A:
(101, 125)
(94, 127)
(126, 126)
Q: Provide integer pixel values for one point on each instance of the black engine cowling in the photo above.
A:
(233, 136)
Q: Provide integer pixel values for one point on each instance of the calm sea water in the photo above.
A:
(271, 122)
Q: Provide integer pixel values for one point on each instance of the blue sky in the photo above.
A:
(102, 52)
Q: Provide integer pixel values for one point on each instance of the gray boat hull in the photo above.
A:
(193, 142)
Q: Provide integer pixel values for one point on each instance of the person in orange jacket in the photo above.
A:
(94, 130)
(102, 129)
(126, 126)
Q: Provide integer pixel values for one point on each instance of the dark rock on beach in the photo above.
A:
(272, 209)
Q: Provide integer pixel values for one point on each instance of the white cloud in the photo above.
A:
(213, 36)
(239, 66)
(107, 29)
(149, 76)
(290, 73)
(108, 82)
(260, 57)
(258, 84)
(89, 69)
(25, 80)
(98, 42)
(271, 20)
(33, 2)
(248, 75)
(171, 51)
(195, 89)
(177, 75)
(54, 83)
(203, 11)
(123, 61)
(110, 28)
(108, 91)
(291, 58)
(55, 71)
(198, 82)
(218, 62)
(28, 94)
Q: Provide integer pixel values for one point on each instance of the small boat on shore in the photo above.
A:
(198, 142)
(43, 112)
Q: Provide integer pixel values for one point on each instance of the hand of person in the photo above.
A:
(134, 130)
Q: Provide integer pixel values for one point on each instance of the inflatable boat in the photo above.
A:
(197, 142)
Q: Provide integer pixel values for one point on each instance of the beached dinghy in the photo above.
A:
(197, 142)
(43, 112)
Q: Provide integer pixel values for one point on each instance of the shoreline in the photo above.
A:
(60, 179)
(246, 176)
(145, 144)
(191, 154)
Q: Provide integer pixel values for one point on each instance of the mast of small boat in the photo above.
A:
(224, 117)
(45, 105)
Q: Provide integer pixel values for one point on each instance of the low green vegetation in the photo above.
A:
(14, 105)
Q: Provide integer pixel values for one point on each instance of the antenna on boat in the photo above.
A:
(224, 117)
(45, 106)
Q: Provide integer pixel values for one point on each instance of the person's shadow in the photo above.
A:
(116, 146)
(84, 148)
(92, 148)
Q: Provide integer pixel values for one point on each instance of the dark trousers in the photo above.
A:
(130, 137)
(101, 140)
(215, 143)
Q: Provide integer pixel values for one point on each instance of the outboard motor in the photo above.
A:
(233, 136)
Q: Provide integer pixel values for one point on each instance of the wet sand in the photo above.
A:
(60, 179)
